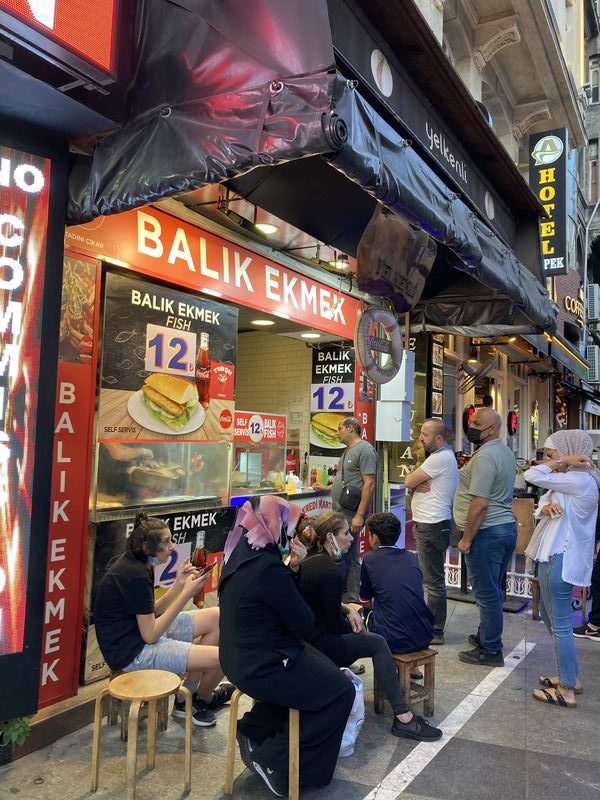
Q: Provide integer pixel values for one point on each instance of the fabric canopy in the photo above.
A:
(234, 91)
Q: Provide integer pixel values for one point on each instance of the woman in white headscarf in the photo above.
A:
(563, 549)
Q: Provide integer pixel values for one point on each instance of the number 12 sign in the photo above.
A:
(170, 351)
(332, 397)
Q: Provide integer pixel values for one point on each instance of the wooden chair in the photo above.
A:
(294, 748)
(143, 686)
(406, 663)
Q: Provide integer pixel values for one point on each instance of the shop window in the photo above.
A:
(594, 72)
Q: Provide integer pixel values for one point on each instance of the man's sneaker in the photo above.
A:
(438, 638)
(201, 713)
(587, 632)
(277, 783)
(474, 640)
(482, 657)
(246, 749)
(221, 695)
(418, 728)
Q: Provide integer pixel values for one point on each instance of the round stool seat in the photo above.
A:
(144, 684)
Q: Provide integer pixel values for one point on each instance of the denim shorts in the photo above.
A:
(172, 650)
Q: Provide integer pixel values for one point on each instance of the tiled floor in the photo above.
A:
(509, 747)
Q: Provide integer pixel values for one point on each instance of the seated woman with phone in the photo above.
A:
(134, 632)
(339, 630)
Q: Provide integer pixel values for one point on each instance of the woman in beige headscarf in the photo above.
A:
(563, 549)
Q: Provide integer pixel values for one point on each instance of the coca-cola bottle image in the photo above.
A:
(199, 561)
(203, 371)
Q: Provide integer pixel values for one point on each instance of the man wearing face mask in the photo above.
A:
(483, 513)
(433, 486)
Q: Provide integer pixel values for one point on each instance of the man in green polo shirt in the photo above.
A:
(482, 512)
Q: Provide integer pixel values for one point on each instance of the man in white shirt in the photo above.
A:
(433, 485)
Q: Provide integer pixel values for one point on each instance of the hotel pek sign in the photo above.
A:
(548, 152)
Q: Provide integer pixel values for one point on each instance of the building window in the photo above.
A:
(593, 180)
(595, 79)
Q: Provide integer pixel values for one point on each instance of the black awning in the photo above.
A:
(214, 101)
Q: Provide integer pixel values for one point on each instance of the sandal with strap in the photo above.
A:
(555, 699)
(548, 683)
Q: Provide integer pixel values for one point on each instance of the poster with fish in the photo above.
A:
(168, 364)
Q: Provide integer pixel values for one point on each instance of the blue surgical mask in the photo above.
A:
(284, 549)
(153, 561)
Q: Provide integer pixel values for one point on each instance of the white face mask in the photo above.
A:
(336, 552)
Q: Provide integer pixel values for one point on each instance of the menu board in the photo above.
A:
(253, 428)
(168, 364)
(332, 399)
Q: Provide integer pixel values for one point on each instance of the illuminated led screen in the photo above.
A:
(24, 198)
(85, 27)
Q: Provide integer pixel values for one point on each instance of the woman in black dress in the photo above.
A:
(262, 650)
(339, 630)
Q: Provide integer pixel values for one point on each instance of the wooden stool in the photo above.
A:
(144, 686)
(294, 748)
(535, 598)
(119, 708)
(406, 663)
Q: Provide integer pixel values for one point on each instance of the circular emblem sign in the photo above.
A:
(467, 417)
(512, 422)
(547, 150)
(382, 73)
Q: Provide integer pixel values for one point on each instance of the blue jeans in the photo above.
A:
(557, 613)
(432, 540)
(487, 561)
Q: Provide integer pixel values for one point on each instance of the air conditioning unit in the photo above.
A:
(593, 301)
(593, 356)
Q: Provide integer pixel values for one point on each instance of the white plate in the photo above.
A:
(138, 410)
(318, 442)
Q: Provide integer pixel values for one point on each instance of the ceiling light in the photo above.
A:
(472, 355)
(512, 338)
(262, 322)
(212, 292)
(266, 227)
(340, 261)
(310, 335)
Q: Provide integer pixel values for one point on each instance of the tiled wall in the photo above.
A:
(273, 375)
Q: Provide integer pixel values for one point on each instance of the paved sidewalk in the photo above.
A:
(503, 745)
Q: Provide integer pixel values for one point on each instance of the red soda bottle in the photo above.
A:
(203, 371)
(199, 561)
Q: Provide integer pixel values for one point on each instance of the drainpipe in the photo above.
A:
(585, 268)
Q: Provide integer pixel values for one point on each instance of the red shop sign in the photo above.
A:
(85, 28)
(253, 428)
(164, 247)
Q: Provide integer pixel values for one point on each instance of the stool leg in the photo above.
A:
(187, 778)
(151, 738)
(113, 711)
(429, 685)
(132, 734)
(124, 718)
(163, 713)
(294, 755)
(535, 599)
(97, 737)
(404, 675)
(376, 698)
(584, 598)
(231, 741)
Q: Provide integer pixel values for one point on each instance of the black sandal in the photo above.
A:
(553, 700)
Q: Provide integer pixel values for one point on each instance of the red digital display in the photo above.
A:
(85, 27)
(24, 201)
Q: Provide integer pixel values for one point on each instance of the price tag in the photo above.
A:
(256, 428)
(332, 397)
(165, 577)
(169, 351)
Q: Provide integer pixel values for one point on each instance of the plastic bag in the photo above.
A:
(356, 718)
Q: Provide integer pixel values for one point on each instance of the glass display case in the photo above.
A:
(259, 449)
(161, 473)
